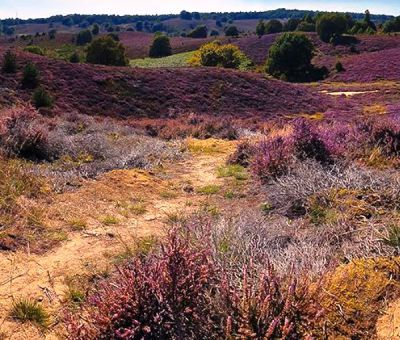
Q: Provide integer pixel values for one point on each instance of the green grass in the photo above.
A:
(26, 310)
(209, 190)
(175, 60)
(235, 170)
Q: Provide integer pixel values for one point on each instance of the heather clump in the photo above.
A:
(179, 291)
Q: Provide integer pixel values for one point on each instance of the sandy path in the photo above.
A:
(92, 250)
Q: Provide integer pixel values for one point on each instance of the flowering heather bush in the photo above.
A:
(164, 296)
(22, 133)
(180, 293)
(273, 158)
(328, 143)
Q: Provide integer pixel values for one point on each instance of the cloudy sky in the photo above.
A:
(45, 8)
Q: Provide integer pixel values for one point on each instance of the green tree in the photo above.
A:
(95, 29)
(30, 78)
(9, 62)
(291, 25)
(161, 47)
(232, 31)
(273, 26)
(260, 29)
(331, 26)
(290, 57)
(106, 51)
(84, 37)
(52, 34)
(199, 32)
(41, 98)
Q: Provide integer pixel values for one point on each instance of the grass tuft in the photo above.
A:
(30, 311)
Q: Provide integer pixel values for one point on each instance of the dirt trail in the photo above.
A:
(116, 209)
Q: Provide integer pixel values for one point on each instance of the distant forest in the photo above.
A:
(79, 19)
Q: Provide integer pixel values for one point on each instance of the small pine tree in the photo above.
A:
(161, 47)
(30, 77)
(9, 62)
(339, 67)
(41, 98)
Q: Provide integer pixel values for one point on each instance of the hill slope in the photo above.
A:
(126, 92)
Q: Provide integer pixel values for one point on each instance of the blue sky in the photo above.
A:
(44, 8)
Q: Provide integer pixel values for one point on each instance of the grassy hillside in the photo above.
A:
(175, 60)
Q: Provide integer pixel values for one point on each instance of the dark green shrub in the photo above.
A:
(331, 26)
(392, 25)
(106, 51)
(232, 31)
(306, 27)
(84, 37)
(291, 25)
(34, 49)
(30, 77)
(339, 67)
(9, 62)
(260, 29)
(160, 47)
(74, 58)
(95, 29)
(52, 34)
(273, 26)
(199, 32)
(41, 98)
(290, 56)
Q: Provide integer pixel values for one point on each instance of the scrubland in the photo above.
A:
(201, 203)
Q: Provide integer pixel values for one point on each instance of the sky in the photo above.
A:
(45, 8)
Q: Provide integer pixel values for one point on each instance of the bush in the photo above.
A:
(160, 47)
(291, 25)
(232, 31)
(9, 62)
(106, 51)
(199, 32)
(339, 67)
(216, 55)
(260, 29)
(331, 26)
(214, 33)
(84, 37)
(392, 25)
(95, 29)
(52, 34)
(306, 27)
(290, 57)
(273, 26)
(74, 58)
(30, 77)
(34, 49)
(178, 293)
(23, 134)
(41, 98)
